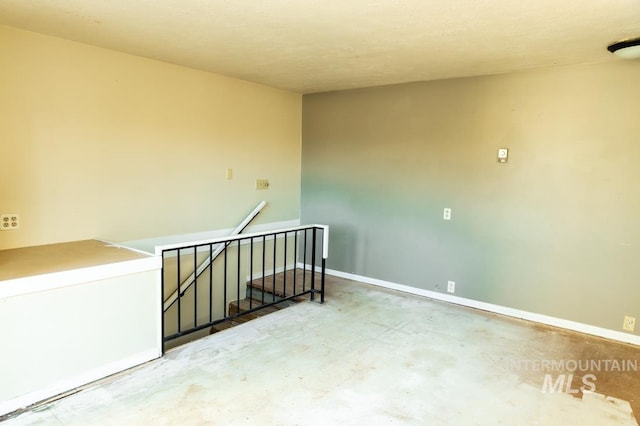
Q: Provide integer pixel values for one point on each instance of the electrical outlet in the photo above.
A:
(446, 215)
(629, 324)
(451, 286)
(262, 183)
(9, 222)
(229, 173)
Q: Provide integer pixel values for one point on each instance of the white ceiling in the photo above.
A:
(321, 45)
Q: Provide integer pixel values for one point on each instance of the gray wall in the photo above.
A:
(554, 231)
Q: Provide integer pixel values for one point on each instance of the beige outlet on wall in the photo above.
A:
(9, 222)
(629, 324)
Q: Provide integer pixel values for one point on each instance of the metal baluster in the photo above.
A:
(210, 282)
(313, 265)
(284, 286)
(304, 263)
(224, 306)
(324, 262)
(273, 292)
(264, 251)
(295, 259)
(162, 293)
(179, 294)
(195, 286)
(251, 274)
(238, 281)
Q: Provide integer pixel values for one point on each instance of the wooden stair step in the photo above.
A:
(279, 288)
(222, 326)
(257, 288)
(245, 305)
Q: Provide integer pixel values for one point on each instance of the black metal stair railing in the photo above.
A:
(259, 256)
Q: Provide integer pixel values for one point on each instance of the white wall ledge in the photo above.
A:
(55, 280)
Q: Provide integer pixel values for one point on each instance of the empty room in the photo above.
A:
(300, 212)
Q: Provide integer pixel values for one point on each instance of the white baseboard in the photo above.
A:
(66, 385)
(307, 266)
(490, 307)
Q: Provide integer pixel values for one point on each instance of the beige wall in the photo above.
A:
(100, 144)
(555, 231)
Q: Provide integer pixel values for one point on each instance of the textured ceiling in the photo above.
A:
(321, 45)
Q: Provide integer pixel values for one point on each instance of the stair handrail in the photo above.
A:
(184, 285)
(230, 238)
(296, 236)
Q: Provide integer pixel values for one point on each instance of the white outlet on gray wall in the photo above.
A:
(451, 286)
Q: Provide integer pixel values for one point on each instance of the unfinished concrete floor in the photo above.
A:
(367, 356)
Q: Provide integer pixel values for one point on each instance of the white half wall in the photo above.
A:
(63, 337)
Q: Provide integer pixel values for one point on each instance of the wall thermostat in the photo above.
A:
(503, 154)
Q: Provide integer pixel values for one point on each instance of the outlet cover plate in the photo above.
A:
(629, 324)
(262, 184)
(451, 286)
(9, 222)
